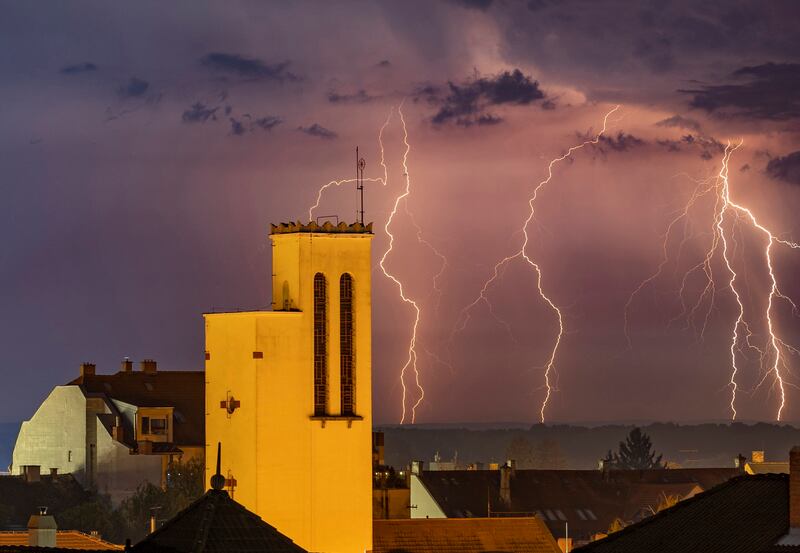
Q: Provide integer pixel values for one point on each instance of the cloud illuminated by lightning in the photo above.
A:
(522, 253)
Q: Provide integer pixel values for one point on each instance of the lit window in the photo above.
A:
(320, 345)
(346, 346)
(158, 427)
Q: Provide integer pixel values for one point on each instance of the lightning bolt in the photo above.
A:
(412, 358)
(336, 183)
(522, 253)
(772, 356)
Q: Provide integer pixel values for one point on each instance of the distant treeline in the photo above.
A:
(698, 445)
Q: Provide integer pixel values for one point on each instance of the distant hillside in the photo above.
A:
(700, 445)
(8, 435)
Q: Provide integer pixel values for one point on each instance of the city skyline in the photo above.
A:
(146, 160)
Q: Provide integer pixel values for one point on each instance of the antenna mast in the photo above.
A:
(360, 164)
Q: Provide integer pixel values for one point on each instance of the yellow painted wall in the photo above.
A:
(311, 479)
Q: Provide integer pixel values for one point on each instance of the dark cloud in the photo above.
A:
(466, 104)
(680, 122)
(770, 92)
(134, 88)
(237, 128)
(267, 123)
(85, 67)
(360, 97)
(319, 131)
(384, 63)
(786, 168)
(482, 120)
(199, 113)
(548, 105)
(247, 124)
(481, 5)
(706, 145)
(622, 142)
(248, 68)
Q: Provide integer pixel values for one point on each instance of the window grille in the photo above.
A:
(320, 345)
(346, 346)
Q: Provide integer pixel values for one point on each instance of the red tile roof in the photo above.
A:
(68, 539)
(462, 535)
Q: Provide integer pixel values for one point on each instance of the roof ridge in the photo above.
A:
(683, 504)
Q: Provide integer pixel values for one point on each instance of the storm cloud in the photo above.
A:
(786, 168)
(769, 92)
(86, 67)
(248, 68)
(466, 104)
(318, 131)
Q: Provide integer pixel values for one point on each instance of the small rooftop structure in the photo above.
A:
(326, 227)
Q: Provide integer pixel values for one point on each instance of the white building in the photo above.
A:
(114, 432)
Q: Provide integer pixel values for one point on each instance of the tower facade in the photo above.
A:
(288, 391)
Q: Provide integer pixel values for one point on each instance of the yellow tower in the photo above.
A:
(288, 391)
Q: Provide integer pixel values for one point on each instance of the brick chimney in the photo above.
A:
(42, 529)
(118, 431)
(127, 365)
(506, 474)
(794, 490)
(87, 369)
(148, 366)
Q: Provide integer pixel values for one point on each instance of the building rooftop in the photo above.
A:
(182, 390)
(66, 539)
(216, 523)
(327, 227)
(747, 514)
(589, 500)
(463, 535)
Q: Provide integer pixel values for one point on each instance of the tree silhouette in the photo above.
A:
(635, 453)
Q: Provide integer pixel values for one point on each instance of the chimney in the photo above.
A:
(739, 462)
(54, 472)
(127, 365)
(118, 431)
(506, 472)
(42, 529)
(148, 366)
(794, 490)
(757, 457)
(417, 467)
(31, 473)
(87, 369)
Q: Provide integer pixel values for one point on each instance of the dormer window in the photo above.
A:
(154, 424)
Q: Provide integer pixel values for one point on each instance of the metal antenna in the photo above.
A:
(360, 164)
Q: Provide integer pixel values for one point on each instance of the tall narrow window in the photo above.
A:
(346, 345)
(320, 345)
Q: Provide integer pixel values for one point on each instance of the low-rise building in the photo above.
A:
(757, 513)
(576, 505)
(113, 432)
